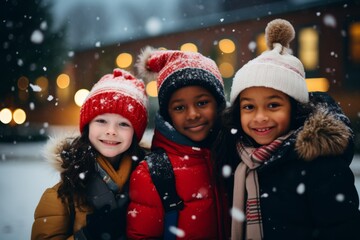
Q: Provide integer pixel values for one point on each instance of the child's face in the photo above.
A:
(265, 114)
(111, 134)
(193, 110)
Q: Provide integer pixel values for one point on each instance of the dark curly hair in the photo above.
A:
(79, 158)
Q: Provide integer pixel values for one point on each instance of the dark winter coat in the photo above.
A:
(195, 184)
(307, 188)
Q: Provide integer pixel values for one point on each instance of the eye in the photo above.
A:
(100, 120)
(273, 105)
(124, 124)
(202, 103)
(178, 108)
(247, 107)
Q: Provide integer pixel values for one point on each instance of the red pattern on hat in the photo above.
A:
(167, 62)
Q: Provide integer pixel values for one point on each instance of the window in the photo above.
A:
(308, 48)
(354, 42)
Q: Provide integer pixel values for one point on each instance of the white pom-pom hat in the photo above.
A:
(275, 68)
(119, 93)
(174, 69)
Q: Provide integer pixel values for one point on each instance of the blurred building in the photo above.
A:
(230, 32)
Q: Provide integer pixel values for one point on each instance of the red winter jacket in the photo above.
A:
(201, 217)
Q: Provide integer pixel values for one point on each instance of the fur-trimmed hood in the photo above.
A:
(325, 133)
(53, 149)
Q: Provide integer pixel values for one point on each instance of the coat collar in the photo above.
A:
(325, 133)
(167, 129)
(54, 147)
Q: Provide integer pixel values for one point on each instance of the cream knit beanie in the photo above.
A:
(275, 68)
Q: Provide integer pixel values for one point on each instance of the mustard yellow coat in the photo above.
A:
(52, 218)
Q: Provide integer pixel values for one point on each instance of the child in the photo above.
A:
(293, 180)
(190, 94)
(91, 199)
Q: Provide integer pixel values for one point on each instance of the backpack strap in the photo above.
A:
(162, 175)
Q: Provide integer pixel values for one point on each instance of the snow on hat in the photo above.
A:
(175, 69)
(119, 93)
(275, 68)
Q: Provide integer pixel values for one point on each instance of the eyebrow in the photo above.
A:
(196, 97)
(271, 97)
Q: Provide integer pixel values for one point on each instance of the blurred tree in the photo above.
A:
(29, 47)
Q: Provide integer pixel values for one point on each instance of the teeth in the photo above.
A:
(262, 129)
(110, 142)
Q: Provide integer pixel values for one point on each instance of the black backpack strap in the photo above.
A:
(99, 194)
(162, 175)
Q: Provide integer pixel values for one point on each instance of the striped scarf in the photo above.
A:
(246, 189)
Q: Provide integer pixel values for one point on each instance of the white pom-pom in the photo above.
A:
(279, 31)
(142, 67)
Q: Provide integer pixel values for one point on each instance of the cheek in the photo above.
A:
(128, 135)
(285, 120)
(176, 120)
(244, 120)
(92, 138)
(211, 113)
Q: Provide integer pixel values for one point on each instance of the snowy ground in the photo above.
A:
(24, 177)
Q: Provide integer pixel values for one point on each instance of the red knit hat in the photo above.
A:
(176, 69)
(119, 93)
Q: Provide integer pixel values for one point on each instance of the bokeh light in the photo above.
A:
(124, 60)
(5, 115)
(19, 116)
(63, 81)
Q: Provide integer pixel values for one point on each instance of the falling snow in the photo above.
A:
(35, 88)
(330, 21)
(32, 106)
(233, 131)
(237, 214)
(177, 231)
(50, 98)
(20, 62)
(82, 176)
(43, 25)
(37, 37)
(226, 171)
(264, 195)
(300, 188)
(252, 46)
(153, 26)
(71, 53)
(340, 197)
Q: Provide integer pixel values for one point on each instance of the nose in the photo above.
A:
(110, 130)
(261, 116)
(192, 113)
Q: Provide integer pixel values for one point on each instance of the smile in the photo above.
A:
(261, 129)
(110, 142)
(195, 128)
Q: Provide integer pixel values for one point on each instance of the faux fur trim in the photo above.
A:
(142, 67)
(53, 149)
(323, 135)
